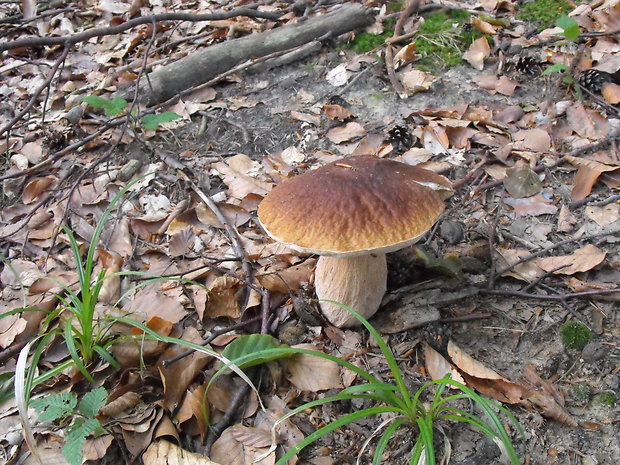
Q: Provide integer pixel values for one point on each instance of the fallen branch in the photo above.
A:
(558, 297)
(203, 65)
(106, 31)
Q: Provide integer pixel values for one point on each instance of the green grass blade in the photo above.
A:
(107, 356)
(74, 353)
(329, 428)
(385, 350)
(385, 438)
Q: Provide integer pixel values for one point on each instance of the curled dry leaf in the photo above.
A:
(346, 133)
(167, 453)
(289, 279)
(251, 437)
(404, 55)
(438, 367)
(527, 271)
(416, 81)
(539, 204)
(96, 448)
(125, 402)
(36, 187)
(587, 175)
(477, 52)
(111, 288)
(583, 259)
(302, 371)
(483, 26)
(586, 122)
(535, 139)
(222, 298)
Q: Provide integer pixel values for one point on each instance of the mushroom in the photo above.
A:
(352, 212)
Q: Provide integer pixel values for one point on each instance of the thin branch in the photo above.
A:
(106, 31)
(37, 91)
(558, 297)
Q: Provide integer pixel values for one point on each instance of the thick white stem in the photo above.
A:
(359, 282)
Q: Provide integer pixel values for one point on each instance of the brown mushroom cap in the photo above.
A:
(354, 206)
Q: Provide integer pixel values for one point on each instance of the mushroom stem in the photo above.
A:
(359, 282)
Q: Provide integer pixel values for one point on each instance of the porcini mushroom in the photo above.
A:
(351, 213)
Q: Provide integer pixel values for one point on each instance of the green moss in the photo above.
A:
(575, 335)
(580, 392)
(442, 40)
(366, 42)
(544, 12)
(605, 399)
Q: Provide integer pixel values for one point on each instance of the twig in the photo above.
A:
(265, 311)
(600, 203)
(559, 297)
(471, 175)
(491, 240)
(106, 31)
(232, 233)
(37, 91)
(546, 275)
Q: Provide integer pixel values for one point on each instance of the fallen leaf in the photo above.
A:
(36, 187)
(493, 84)
(603, 216)
(416, 81)
(527, 271)
(521, 182)
(483, 26)
(345, 133)
(167, 453)
(583, 259)
(337, 112)
(539, 204)
(588, 173)
(477, 52)
(437, 366)
(611, 93)
(302, 369)
(404, 55)
(338, 76)
(227, 450)
(586, 122)
(535, 139)
(566, 220)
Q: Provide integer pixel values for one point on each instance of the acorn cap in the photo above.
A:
(354, 206)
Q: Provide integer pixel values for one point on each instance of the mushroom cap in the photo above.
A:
(354, 206)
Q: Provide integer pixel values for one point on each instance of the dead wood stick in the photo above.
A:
(558, 297)
(204, 65)
(106, 31)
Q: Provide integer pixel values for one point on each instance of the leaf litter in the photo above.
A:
(249, 147)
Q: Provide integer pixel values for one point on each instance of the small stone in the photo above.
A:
(451, 231)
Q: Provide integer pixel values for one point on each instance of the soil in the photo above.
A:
(518, 333)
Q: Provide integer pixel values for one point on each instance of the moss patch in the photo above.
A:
(543, 13)
(605, 399)
(442, 40)
(366, 42)
(575, 335)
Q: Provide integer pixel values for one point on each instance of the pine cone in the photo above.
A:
(594, 80)
(528, 65)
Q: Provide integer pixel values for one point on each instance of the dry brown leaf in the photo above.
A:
(611, 93)
(149, 303)
(96, 448)
(587, 175)
(181, 242)
(177, 376)
(167, 453)
(289, 279)
(483, 26)
(404, 55)
(603, 216)
(337, 112)
(371, 144)
(469, 365)
(583, 259)
(111, 288)
(251, 437)
(535, 139)
(527, 271)
(229, 451)
(586, 122)
(539, 204)
(477, 52)
(120, 240)
(346, 133)
(566, 220)
(10, 327)
(36, 187)
(493, 84)
(435, 139)
(194, 406)
(120, 404)
(310, 118)
(437, 366)
(302, 371)
(416, 81)
(222, 298)
(241, 184)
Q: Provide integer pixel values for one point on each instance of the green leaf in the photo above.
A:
(557, 68)
(570, 26)
(92, 402)
(76, 436)
(110, 107)
(152, 122)
(54, 406)
(252, 343)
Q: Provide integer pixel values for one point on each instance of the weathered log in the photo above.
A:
(204, 65)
